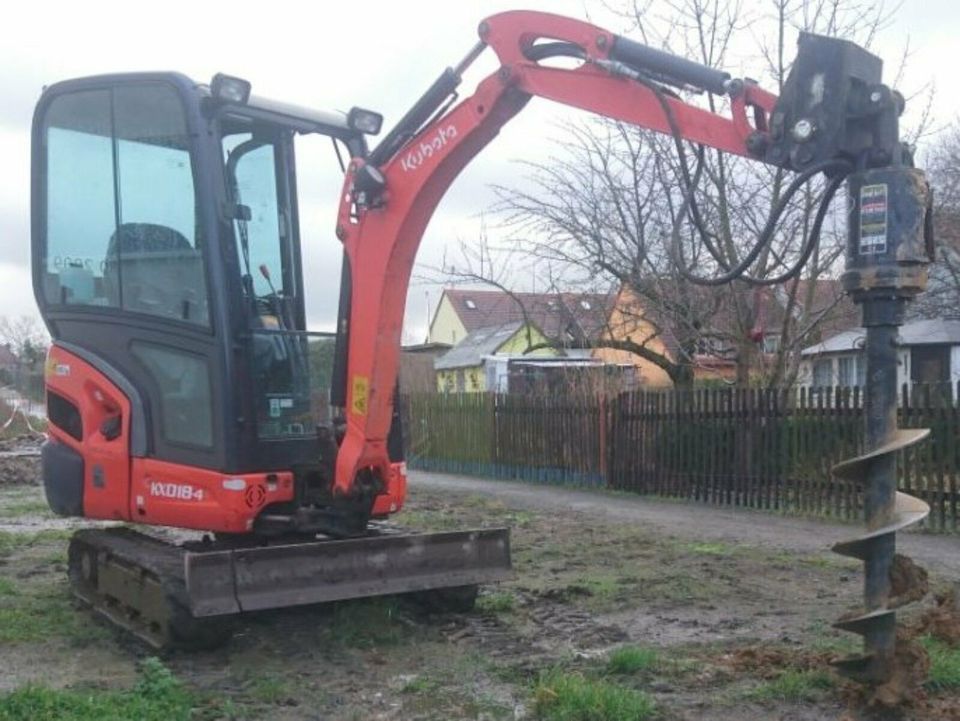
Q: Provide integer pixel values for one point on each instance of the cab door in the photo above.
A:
(124, 233)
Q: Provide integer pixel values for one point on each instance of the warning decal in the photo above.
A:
(873, 219)
(360, 389)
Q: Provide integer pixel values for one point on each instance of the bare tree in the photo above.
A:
(28, 342)
(24, 337)
(606, 210)
(942, 299)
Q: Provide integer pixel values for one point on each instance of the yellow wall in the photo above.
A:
(627, 323)
(446, 326)
(475, 377)
(519, 342)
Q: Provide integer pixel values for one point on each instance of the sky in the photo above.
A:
(376, 54)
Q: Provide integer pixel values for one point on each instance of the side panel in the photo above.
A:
(106, 458)
(169, 494)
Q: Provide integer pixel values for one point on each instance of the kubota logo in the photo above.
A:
(428, 148)
(177, 491)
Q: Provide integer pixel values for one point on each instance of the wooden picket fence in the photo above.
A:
(553, 439)
(753, 448)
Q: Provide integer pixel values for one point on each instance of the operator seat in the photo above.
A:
(161, 273)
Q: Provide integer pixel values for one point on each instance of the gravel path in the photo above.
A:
(938, 553)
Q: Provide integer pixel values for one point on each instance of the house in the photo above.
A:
(929, 353)
(703, 325)
(416, 373)
(562, 317)
(560, 375)
(465, 367)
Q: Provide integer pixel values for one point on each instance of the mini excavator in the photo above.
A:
(184, 390)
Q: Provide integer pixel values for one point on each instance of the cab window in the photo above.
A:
(121, 223)
(255, 175)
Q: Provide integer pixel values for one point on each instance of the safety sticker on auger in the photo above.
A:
(873, 219)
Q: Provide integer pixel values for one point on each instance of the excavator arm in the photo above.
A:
(389, 197)
(833, 116)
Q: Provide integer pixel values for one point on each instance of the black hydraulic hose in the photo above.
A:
(544, 51)
(811, 241)
(737, 272)
(690, 184)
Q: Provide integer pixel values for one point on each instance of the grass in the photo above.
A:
(41, 612)
(793, 687)
(368, 623)
(601, 586)
(421, 684)
(271, 689)
(10, 542)
(497, 602)
(631, 659)
(944, 665)
(157, 696)
(710, 549)
(26, 508)
(560, 696)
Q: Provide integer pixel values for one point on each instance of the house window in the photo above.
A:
(585, 304)
(771, 343)
(461, 381)
(847, 371)
(823, 373)
(930, 364)
(469, 303)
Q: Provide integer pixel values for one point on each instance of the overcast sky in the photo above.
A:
(380, 55)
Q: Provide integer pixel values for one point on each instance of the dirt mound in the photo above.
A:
(22, 443)
(768, 662)
(942, 621)
(20, 459)
(908, 581)
(904, 689)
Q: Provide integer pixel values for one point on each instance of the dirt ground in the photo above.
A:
(733, 610)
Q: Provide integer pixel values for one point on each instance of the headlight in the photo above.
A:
(364, 121)
(228, 89)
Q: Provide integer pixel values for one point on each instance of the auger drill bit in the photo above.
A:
(888, 249)
(876, 621)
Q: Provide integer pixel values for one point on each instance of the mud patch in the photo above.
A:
(943, 621)
(902, 694)
(768, 662)
(20, 460)
(17, 470)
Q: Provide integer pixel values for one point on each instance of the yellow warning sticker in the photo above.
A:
(361, 388)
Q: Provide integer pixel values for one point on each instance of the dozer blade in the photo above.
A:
(250, 579)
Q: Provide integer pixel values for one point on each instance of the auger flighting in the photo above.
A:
(889, 246)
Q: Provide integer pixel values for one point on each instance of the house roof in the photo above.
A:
(582, 315)
(426, 348)
(477, 344)
(919, 332)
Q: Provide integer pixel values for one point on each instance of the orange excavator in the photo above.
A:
(184, 390)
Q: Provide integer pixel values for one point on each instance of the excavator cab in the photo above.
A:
(167, 267)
